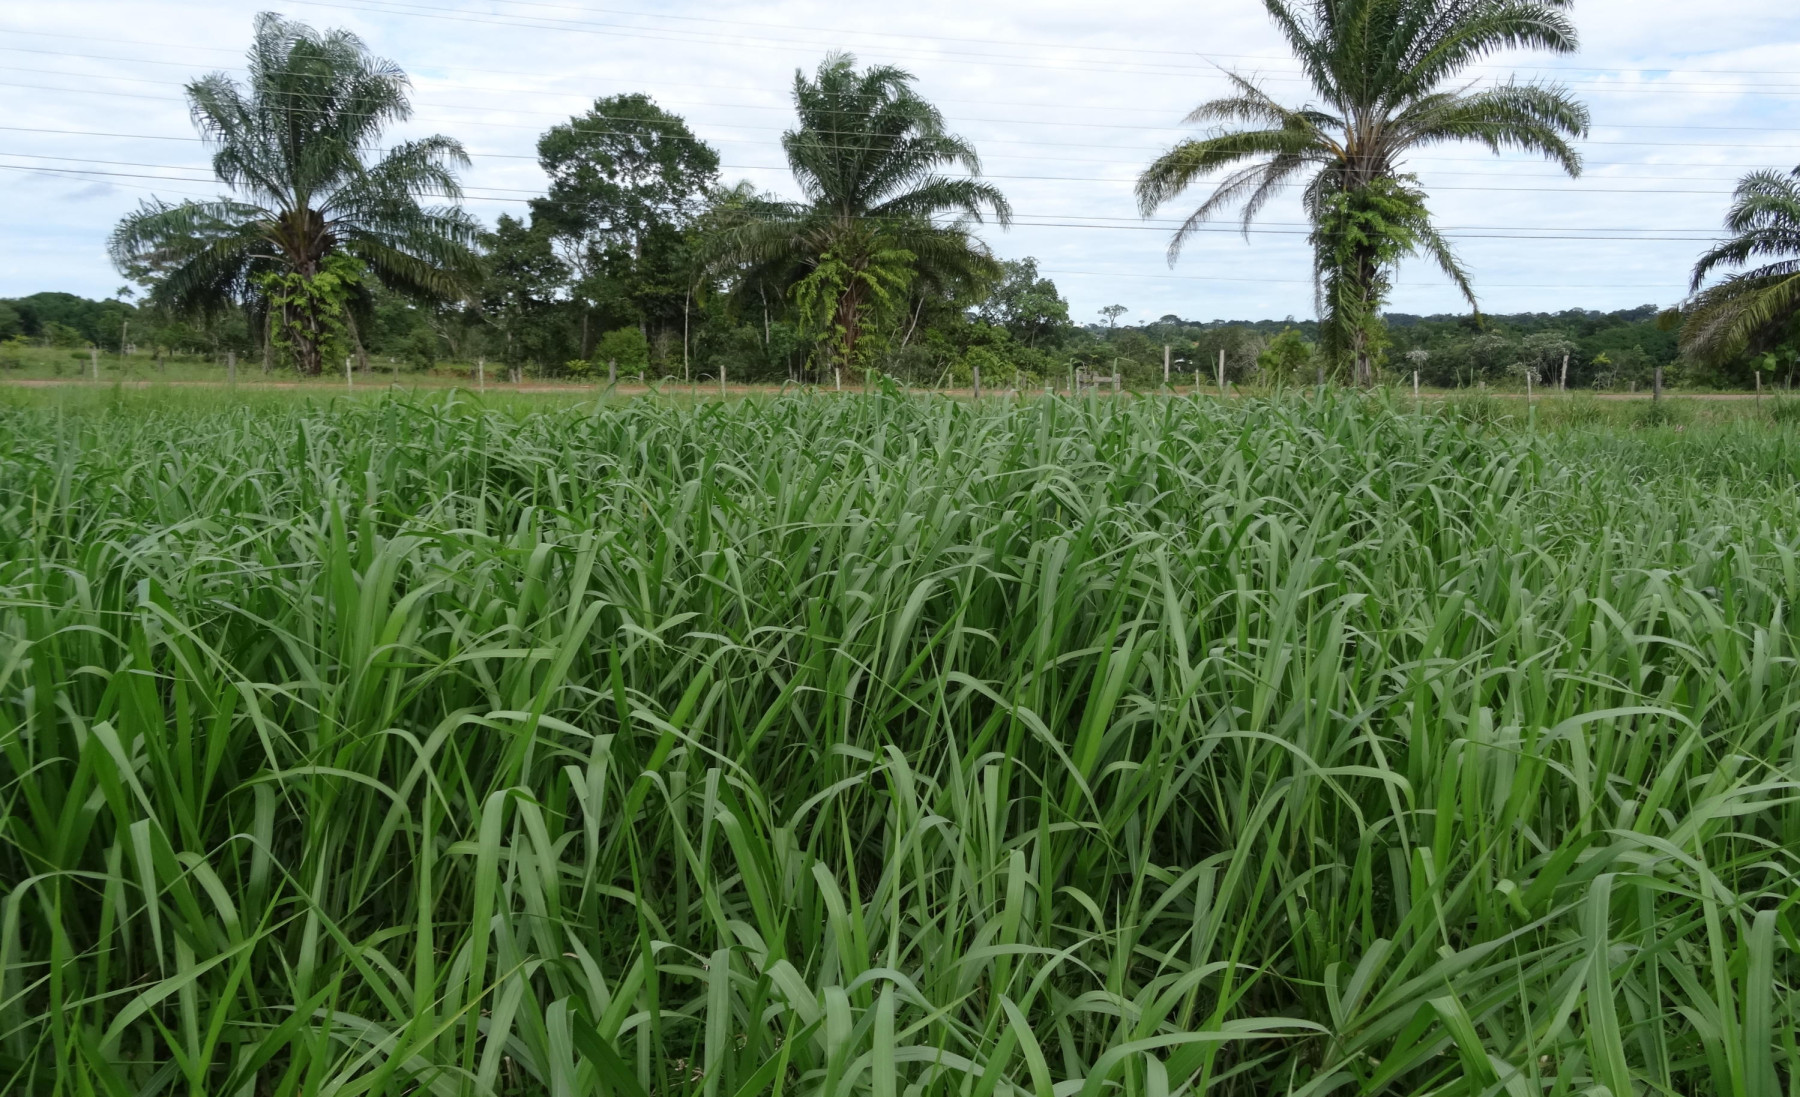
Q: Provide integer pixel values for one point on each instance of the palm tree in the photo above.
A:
(1756, 305)
(309, 214)
(878, 219)
(1381, 68)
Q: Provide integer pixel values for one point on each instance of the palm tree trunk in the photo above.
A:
(850, 320)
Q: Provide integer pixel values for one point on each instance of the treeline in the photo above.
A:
(640, 259)
(1019, 332)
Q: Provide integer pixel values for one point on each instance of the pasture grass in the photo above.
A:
(889, 745)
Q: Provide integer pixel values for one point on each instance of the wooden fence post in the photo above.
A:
(231, 368)
(94, 358)
(1563, 384)
(1656, 394)
(976, 370)
(1165, 365)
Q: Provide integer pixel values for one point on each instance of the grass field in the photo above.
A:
(895, 746)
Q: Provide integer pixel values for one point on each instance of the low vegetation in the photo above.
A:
(888, 745)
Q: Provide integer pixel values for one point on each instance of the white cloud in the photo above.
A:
(1066, 102)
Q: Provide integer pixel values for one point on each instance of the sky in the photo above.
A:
(1065, 101)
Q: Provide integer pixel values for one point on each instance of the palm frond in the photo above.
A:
(1536, 118)
(292, 139)
(1724, 321)
(1174, 171)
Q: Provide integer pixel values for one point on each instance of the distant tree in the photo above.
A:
(1111, 314)
(626, 348)
(1026, 305)
(1381, 67)
(62, 335)
(1754, 307)
(314, 213)
(1541, 353)
(521, 284)
(625, 178)
(1288, 358)
(878, 213)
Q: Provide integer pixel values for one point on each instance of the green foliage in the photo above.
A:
(61, 335)
(621, 170)
(1027, 305)
(1287, 360)
(1751, 308)
(521, 281)
(625, 346)
(1381, 68)
(880, 216)
(420, 350)
(882, 746)
(309, 311)
(291, 144)
(848, 294)
(1358, 238)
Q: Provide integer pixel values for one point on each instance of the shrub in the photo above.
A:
(626, 347)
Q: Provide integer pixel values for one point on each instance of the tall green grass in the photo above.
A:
(890, 746)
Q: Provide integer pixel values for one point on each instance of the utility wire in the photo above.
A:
(1795, 148)
(1425, 158)
(538, 191)
(1208, 56)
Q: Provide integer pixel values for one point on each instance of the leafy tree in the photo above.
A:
(291, 144)
(62, 335)
(1381, 68)
(1026, 305)
(521, 283)
(1288, 358)
(1751, 308)
(625, 178)
(878, 216)
(626, 348)
(1542, 354)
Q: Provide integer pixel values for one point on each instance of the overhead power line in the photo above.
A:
(536, 191)
(1787, 149)
(1027, 220)
(1422, 158)
(1208, 56)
